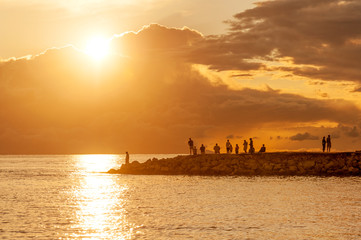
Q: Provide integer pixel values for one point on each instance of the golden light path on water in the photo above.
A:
(100, 200)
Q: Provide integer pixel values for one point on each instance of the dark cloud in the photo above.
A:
(242, 75)
(357, 90)
(322, 94)
(303, 136)
(276, 138)
(322, 36)
(148, 101)
(348, 131)
(232, 136)
(354, 132)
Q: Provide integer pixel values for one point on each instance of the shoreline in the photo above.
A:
(258, 164)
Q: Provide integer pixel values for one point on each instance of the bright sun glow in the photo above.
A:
(98, 48)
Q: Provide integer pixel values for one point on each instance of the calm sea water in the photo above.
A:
(69, 197)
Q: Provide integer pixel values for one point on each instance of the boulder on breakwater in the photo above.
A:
(262, 164)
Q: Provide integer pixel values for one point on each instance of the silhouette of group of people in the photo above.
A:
(193, 148)
(229, 147)
(326, 143)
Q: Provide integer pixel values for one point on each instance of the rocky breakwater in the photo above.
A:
(265, 164)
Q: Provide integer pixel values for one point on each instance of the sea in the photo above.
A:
(72, 197)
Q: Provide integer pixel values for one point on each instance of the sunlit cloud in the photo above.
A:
(311, 34)
(160, 85)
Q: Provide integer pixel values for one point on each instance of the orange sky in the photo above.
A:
(285, 72)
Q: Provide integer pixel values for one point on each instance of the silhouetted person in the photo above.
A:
(126, 158)
(203, 149)
(236, 149)
(328, 141)
(190, 144)
(251, 148)
(216, 149)
(228, 145)
(194, 150)
(323, 144)
(245, 146)
(263, 149)
(230, 148)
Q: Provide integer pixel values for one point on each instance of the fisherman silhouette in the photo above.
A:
(216, 149)
(228, 146)
(202, 149)
(323, 144)
(328, 141)
(251, 148)
(126, 158)
(245, 146)
(190, 144)
(236, 149)
(263, 149)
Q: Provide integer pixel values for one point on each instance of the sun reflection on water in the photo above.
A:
(100, 200)
(98, 162)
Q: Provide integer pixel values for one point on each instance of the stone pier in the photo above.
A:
(259, 164)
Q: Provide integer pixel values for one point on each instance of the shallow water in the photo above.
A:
(68, 197)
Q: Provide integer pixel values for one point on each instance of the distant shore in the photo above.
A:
(261, 164)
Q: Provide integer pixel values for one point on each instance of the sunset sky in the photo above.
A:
(143, 76)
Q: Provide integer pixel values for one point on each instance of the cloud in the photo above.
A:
(232, 136)
(303, 137)
(357, 90)
(322, 39)
(353, 132)
(155, 40)
(147, 99)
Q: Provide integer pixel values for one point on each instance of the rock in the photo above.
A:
(204, 170)
(353, 171)
(252, 165)
(277, 167)
(291, 162)
(135, 163)
(267, 167)
(354, 164)
(329, 165)
(112, 171)
(308, 164)
(292, 168)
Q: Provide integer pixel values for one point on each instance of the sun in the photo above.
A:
(98, 48)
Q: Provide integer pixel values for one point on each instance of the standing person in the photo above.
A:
(126, 158)
(323, 144)
(228, 145)
(203, 149)
(328, 143)
(217, 149)
(230, 148)
(190, 144)
(236, 149)
(245, 146)
(251, 148)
